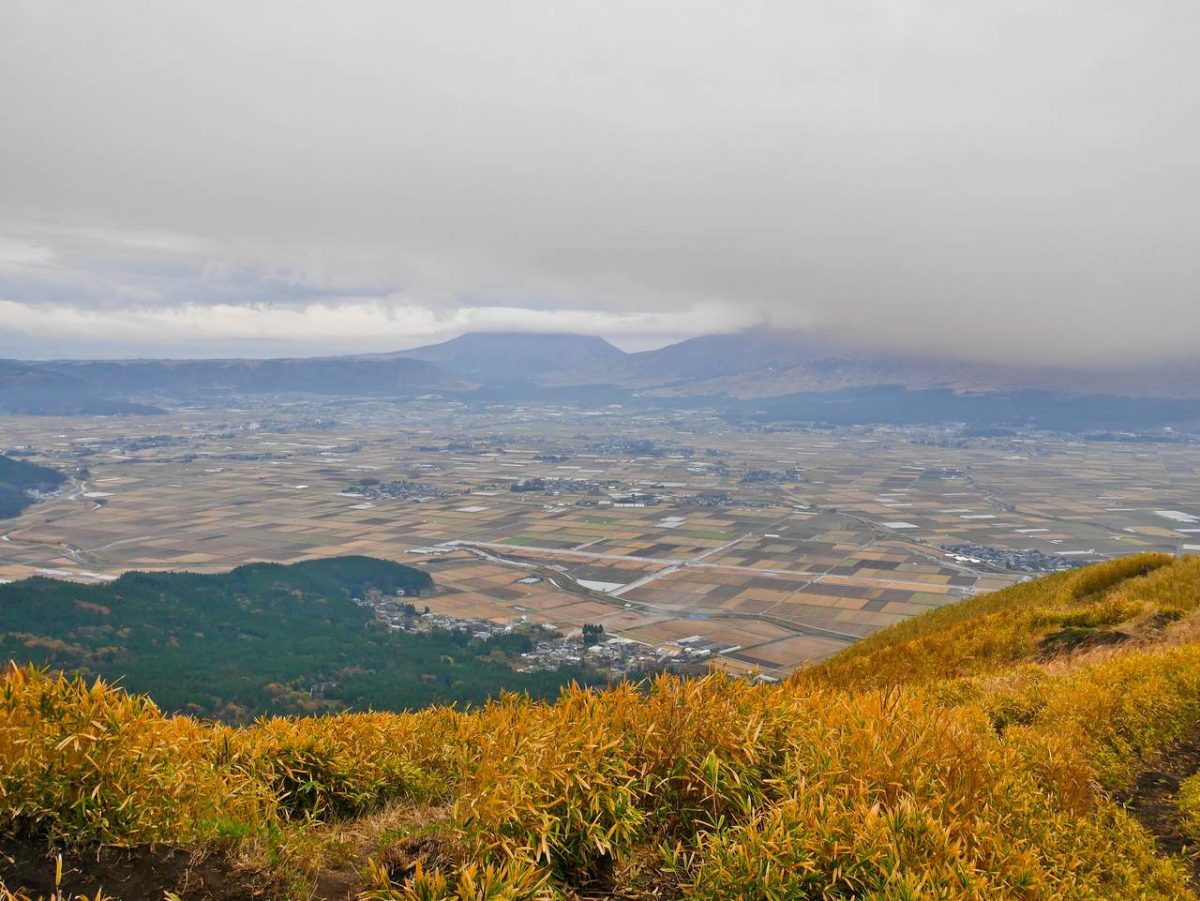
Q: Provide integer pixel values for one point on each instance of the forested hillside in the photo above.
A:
(260, 639)
(19, 479)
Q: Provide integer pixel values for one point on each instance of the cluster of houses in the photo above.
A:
(549, 648)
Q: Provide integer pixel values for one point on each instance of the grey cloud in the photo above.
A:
(993, 179)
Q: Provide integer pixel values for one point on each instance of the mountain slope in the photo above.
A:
(696, 362)
(500, 357)
(32, 388)
(116, 387)
(315, 375)
(982, 751)
(765, 362)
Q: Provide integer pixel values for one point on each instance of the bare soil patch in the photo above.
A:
(131, 874)
(1154, 801)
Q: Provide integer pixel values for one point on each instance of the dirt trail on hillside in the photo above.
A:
(1154, 802)
(130, 874)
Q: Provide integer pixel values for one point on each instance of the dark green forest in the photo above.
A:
(17, 478)
(261, 639)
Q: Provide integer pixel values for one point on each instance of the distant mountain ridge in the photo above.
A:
(517, 356)
(313, 375)
(35, 388)
(765, 362)
(797, 374)
(107, 387)
(68, 387)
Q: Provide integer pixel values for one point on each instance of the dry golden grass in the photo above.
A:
(1189, 807)
(950, 757)
(995, 631)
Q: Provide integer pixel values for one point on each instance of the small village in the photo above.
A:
(533, 647)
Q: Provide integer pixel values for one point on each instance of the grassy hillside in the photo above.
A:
(260, 639)
(1014, 746)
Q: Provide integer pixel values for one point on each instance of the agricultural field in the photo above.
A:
(767, 550)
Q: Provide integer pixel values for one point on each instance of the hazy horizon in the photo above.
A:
(257, 348)
(990, 182)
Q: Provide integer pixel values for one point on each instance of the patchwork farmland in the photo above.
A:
(766, 549)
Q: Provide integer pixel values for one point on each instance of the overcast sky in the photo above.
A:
(992, 179)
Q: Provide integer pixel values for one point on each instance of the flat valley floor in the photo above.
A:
(768, 549)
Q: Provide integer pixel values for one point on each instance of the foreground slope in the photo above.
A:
(983, 751)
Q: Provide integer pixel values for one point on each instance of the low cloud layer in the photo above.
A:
(988, 180)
